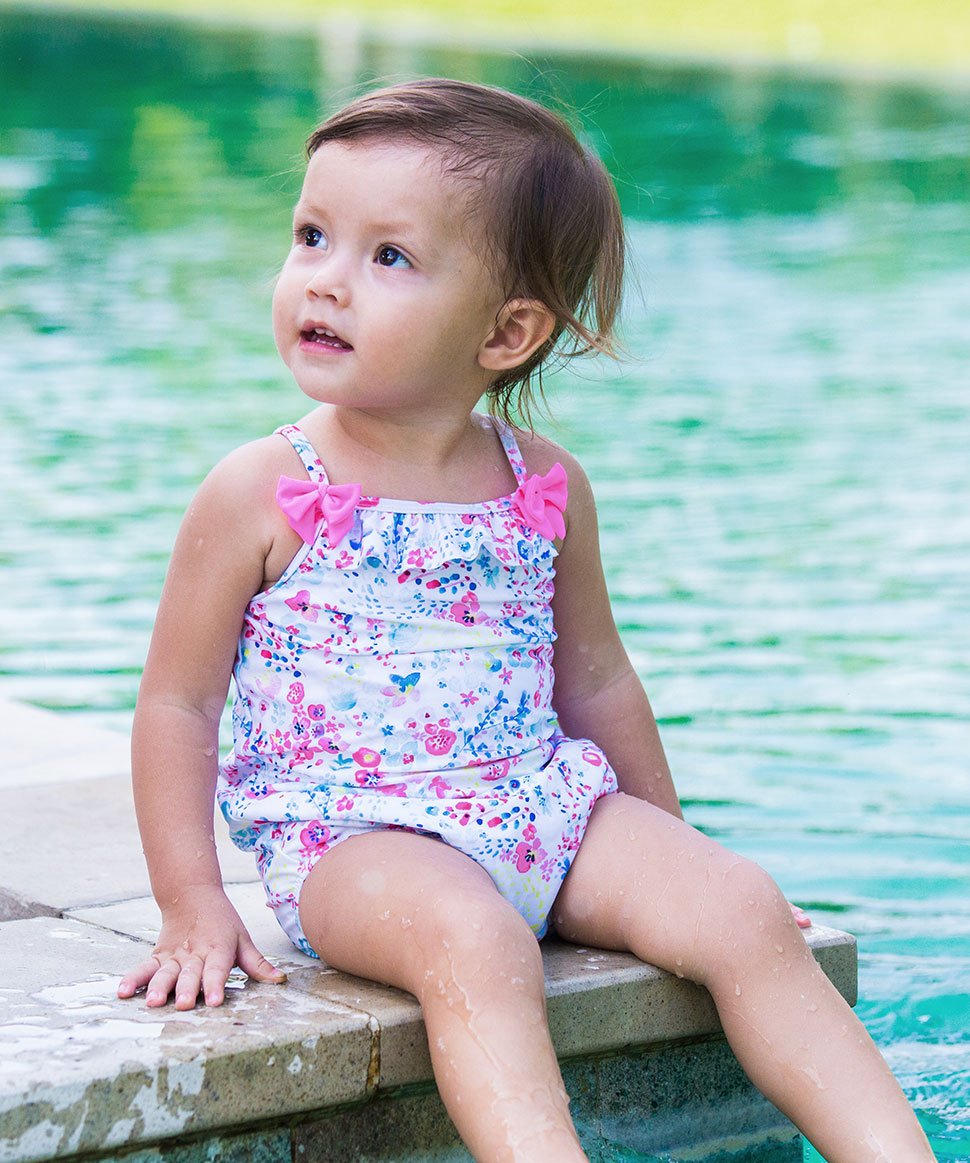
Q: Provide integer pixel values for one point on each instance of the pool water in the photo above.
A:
(781, 463)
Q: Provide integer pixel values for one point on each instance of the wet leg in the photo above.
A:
(645, 881)
(412, 912)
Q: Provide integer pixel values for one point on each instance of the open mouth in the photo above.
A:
(323, 337)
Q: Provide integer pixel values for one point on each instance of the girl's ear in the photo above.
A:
(521, 328)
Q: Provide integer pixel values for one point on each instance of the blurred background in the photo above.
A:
(781, 461)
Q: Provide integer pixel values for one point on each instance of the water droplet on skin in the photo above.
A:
(406, 922)
(737, 990)
(476, 925)
(385, 914)
(779, 949)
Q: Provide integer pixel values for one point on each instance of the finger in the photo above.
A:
(137, 979)
(162, 982)
(255, 965)
(214, 976)
(802, 919)
(188, 984)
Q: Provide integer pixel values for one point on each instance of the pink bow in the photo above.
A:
(541, 501)
(308, 503)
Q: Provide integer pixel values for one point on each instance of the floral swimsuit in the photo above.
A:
(399, 675)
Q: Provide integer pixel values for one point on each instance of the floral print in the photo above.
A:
(399, 675)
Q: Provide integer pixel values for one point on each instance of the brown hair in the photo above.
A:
(551, 215)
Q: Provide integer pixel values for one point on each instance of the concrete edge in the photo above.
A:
(95, 1073)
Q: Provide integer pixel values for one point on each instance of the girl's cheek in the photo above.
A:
(287, 285)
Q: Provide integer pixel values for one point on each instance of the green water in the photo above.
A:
(782, 465)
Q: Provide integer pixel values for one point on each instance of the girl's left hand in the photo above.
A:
(802, 919)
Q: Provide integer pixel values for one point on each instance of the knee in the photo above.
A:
(754, 916)
(757, 896)
(479, 944)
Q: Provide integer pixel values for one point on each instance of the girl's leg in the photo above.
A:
(646, 882)
(409, 911)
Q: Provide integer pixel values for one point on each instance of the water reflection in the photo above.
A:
(784, 518)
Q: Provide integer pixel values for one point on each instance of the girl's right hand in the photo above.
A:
(202, 938)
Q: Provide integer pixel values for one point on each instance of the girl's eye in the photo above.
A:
(311, 236)
(390, 256)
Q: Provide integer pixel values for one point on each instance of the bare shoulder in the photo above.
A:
(233, 528)
(235, 506)
(540, 454)
(255, 463)
(245, 479)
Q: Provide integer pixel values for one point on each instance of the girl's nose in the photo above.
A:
(329, 280)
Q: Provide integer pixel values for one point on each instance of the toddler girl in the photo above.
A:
(393, 582)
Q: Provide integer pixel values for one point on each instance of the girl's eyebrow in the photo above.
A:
(307, 209)
(407, 232)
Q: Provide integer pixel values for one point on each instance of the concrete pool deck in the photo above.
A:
(326, 1067)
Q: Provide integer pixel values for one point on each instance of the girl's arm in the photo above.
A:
(598, 695)
(217, 565)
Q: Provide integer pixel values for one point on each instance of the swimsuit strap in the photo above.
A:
(305, 451)
(511, 446)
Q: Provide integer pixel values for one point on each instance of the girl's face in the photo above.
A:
(385, 299)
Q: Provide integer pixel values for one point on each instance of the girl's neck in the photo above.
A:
(432, 441)
(444, 457)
